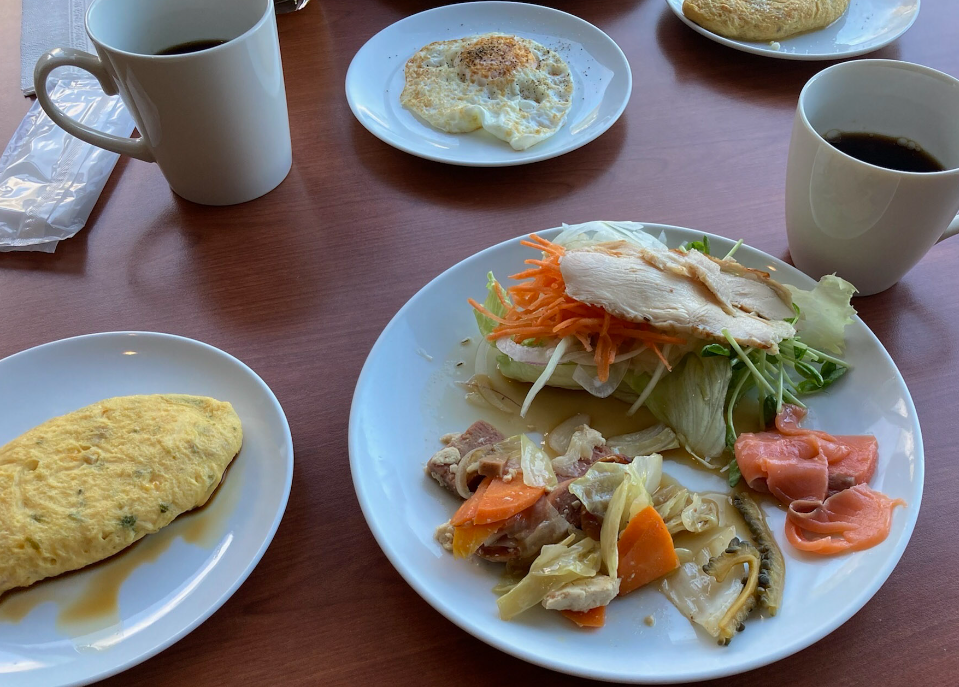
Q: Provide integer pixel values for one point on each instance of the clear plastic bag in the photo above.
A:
(49, 180)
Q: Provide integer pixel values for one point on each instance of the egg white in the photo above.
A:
(514, 88)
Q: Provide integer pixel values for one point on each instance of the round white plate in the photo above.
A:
(402, 405)
(601, 78)
(162, 599)
(865, 26)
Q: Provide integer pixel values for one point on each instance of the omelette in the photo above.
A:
(514, 88)
(84, 486)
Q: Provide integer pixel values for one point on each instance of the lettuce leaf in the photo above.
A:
(653, 439)
(562, 376)
(824, 313)
(493, 304)
(690, 400)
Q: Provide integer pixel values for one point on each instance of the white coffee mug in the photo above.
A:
(215, 120)
(869, 224)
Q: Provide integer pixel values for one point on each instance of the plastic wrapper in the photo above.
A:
(49, 180)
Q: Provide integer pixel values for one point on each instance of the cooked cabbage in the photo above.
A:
(559, 437)
(690, 400)
(581, 446)
(683, 510)
(609, 534)
(616, 493)
(536, 464)
(596, 487)
(556, 565)
(699, 596)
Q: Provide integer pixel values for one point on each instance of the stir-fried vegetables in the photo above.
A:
(772, 572)
(645, 551)
(505, 499)
(737, 553)
(468, 538)
(556, 565)
(698, 595)
(594, 617)
(685, 511)
(496, 500)
(536, 465)
(595, 489)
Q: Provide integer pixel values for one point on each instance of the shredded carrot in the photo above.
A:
(542, 310)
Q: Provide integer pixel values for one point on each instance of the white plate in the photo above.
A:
(601, 78)
(402, 406)
(865, 26)
(177, 585)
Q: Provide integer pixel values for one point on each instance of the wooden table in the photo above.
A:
(299, 283)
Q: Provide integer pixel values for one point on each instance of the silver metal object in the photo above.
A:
(286, 6)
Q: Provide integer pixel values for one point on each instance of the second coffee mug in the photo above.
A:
(868, 223)
(204, 85)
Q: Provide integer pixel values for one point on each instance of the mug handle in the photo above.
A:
(951, 230)
(68, 57)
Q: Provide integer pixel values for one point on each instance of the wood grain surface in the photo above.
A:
(299, 284)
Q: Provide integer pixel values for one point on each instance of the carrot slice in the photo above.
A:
(468, 538)
(645, 551)
(594, 617)
(467, 511)
(503, 500)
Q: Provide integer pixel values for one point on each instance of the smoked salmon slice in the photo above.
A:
(804, 464)
(851, 520)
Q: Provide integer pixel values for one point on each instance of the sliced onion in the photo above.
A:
(589, 381)
(485, 359)
(462, 470)
(652, 383)
(532, 355)
(482, 386)
(558, 437)
(547, 373)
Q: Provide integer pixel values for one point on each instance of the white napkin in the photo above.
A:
(48, 24)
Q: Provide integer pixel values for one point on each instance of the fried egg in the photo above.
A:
(514, 88)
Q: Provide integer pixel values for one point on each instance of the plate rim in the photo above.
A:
(489, 638)
(756, 47)
(225, 595)
(351, 75)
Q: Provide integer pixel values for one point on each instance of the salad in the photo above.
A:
(609, 309)
(582, 519)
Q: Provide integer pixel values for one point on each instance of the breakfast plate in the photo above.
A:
(601, 76)
(96, 622)
(865, 26)
(407, 397)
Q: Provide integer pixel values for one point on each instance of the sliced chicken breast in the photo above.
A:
(655, 287)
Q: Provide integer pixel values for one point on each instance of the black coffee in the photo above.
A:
(191, 46)
(885, 151)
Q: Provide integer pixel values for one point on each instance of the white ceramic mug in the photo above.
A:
(215, 121)
(870, 224)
